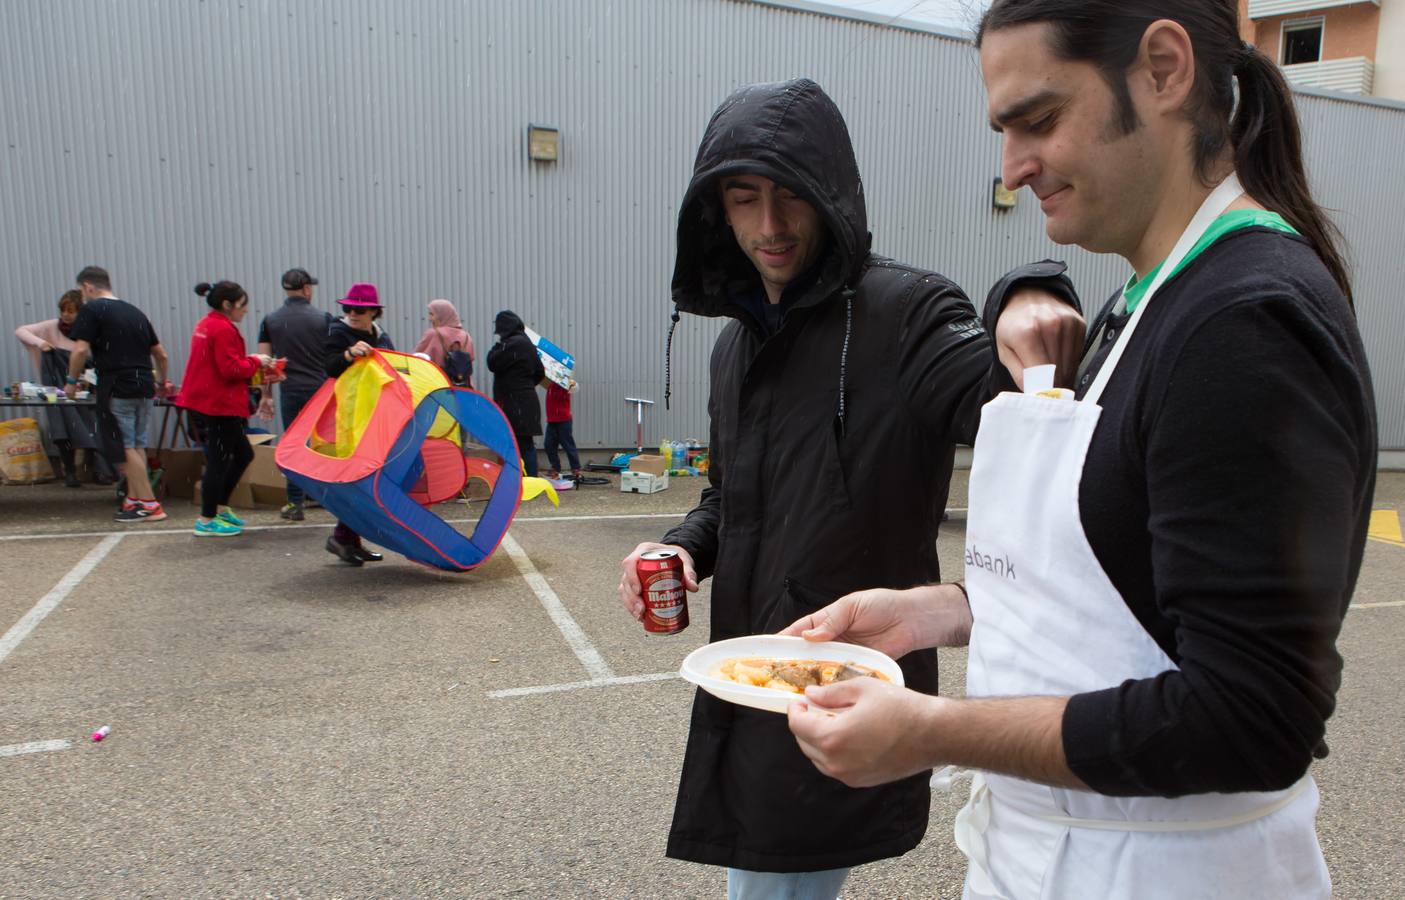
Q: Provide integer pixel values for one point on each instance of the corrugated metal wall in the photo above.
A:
(173, 141)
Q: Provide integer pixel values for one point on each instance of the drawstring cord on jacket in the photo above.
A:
(668, 360)
(848, 294)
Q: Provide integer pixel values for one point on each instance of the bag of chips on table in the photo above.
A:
(22, 456)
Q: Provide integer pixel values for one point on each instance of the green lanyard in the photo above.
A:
(1224, 224)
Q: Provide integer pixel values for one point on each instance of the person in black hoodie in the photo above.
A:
(350, 338)
(517, 370)
(838, 392)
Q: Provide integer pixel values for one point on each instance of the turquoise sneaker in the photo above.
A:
(216, 528)
(227, 516)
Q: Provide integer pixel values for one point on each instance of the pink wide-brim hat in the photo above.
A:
(362, 294)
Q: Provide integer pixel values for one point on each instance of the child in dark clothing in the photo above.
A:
(558, 430)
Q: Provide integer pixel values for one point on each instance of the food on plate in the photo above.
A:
(791, 675)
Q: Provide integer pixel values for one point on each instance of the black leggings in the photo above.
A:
(227, 455)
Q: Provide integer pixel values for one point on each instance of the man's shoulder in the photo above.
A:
(885, 279)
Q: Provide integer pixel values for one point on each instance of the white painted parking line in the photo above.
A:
(21, 629)
(1378, 605)
(582, 685)
(34, 747)
(146, 530)
(580, 644)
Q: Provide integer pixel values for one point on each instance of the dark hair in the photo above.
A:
(219, 293)
(95, 276)
(1263, 132)
(71, 298)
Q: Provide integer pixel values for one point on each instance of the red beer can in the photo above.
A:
(661, 584)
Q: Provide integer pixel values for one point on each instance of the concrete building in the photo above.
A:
(1356, 46)
(174, 142)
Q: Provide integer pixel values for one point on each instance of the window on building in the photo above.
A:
(1302, 41)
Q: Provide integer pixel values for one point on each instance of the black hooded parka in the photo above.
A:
(832, 443)
(517, 370)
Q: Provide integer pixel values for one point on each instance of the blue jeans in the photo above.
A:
(746, 885)
(560, 433)
(290, 403)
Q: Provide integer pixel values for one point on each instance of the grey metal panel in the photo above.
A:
(370, 140)
(1348, 147)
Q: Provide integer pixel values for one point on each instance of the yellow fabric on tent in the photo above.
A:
(531, 487)
(424, 377)
(358, 391)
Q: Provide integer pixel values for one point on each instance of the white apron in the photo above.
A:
(1048, 621)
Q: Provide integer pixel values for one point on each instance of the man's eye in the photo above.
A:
(1043, 124)
(742, 200)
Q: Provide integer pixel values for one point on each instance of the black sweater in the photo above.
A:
(341, 337)
(1226, 494)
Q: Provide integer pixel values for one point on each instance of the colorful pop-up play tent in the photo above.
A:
(390, 438)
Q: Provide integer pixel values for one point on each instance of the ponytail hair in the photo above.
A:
(1263, 133)
(219, 293)
(1268, 156)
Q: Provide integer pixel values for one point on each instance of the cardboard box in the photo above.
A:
(262, 485)
(642, 483)
(650, 464)
(182, 470)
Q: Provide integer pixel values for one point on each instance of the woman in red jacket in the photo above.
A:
(216, 393)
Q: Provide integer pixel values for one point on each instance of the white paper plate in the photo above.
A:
(700, 664)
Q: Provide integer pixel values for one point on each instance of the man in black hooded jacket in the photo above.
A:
(838, 393)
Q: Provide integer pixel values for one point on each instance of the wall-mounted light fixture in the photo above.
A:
(1001, 197)
(543, 143)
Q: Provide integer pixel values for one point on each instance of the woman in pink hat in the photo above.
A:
(349, 338)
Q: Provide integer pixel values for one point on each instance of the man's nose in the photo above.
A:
(773, 219)
(1018, 165)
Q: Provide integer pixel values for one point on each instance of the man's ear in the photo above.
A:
(1166, 59)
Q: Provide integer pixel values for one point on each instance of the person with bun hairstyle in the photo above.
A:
(354, 336)
(216, 394)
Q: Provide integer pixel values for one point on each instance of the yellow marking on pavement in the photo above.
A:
(1385, 527)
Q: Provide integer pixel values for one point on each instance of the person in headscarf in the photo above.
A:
(444, 336)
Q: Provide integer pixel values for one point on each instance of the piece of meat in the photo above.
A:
(851, 671)
(800, 677)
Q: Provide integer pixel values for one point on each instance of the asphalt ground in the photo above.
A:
(283, 725)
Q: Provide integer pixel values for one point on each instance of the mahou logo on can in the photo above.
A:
(665, 599)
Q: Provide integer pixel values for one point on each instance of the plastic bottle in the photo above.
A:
(680, 454)
(666, 451)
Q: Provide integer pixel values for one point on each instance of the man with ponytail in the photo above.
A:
(1152, 668)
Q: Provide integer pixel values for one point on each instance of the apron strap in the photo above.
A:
(1219, 200)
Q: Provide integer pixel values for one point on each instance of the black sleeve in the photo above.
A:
(263, 337)
(85, 327)
(1255, 454)
(943, 360)
(538, 369)
(151, 339)
(495, 356)
(333, 363)
(1047, 274)
(697, 533)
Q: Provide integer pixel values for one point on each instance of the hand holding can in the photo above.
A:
(661, 585)
(630, 590)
